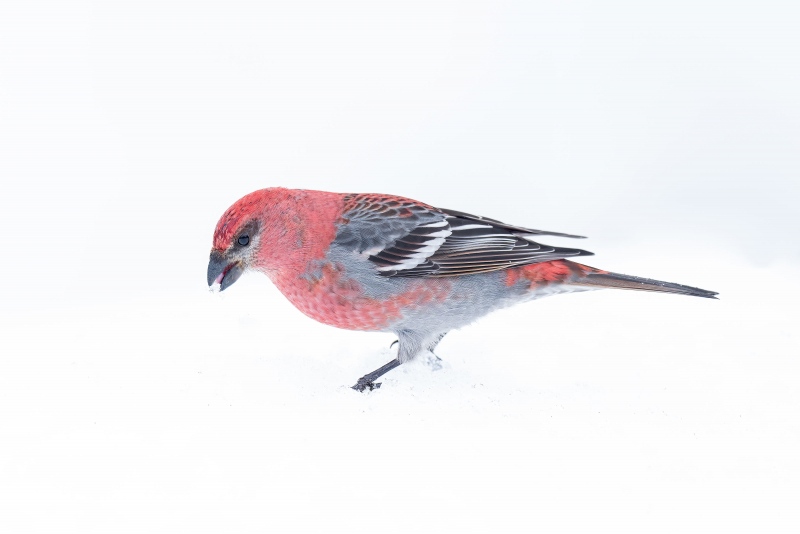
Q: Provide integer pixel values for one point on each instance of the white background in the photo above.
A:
(132, 400)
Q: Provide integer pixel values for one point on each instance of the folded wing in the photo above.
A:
(404, 238)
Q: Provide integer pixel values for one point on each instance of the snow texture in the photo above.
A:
(132, 399)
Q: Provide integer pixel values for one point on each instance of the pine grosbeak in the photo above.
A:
(391, 264)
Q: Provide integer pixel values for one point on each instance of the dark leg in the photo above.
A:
(436, 342)
(368, 381)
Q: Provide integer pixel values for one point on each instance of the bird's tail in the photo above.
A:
(598, 278)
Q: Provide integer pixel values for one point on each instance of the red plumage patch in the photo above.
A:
(244, 209)
(337, 300)
(540, 274)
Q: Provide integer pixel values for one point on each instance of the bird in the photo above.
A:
(387, 263)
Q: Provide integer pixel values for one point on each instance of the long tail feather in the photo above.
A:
(623, 281)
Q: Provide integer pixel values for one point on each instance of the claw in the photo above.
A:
(395, 342)
(362, 385)
(434, 362)
(368, 380)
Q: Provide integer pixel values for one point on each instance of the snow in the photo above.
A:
(232, 412)
(133, 399)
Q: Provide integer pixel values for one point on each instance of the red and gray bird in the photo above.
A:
(386, 263)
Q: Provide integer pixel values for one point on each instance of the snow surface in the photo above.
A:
(134, 400)
(232, 413)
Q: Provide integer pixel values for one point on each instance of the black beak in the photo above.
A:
(219, 270)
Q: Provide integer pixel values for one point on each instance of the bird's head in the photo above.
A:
(237, 240)
(275, 231)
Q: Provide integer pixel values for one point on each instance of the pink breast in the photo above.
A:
(337, 300)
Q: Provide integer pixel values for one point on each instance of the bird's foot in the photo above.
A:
(368, 380)
(365, 383)
(434, 362)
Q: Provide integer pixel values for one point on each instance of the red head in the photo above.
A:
(272, 230)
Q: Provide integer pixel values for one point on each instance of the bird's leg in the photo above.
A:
(412, 343)
(438, 339)
(368, 380)
(433, 363)
(435, 343)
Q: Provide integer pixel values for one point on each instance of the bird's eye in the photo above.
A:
(243, 240)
